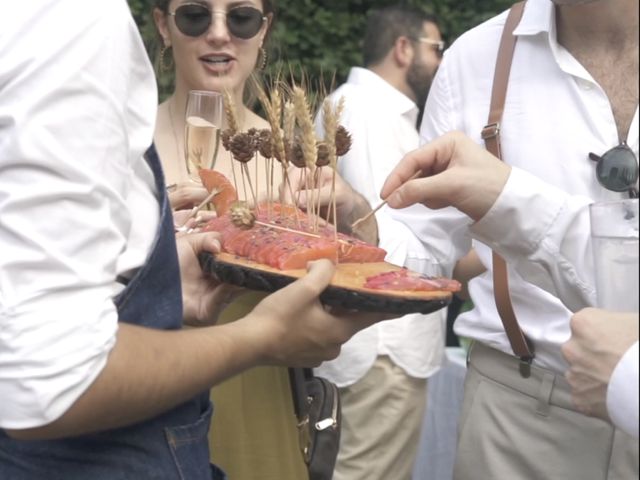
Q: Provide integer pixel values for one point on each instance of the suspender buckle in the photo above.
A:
(491, 130)
(525, 366)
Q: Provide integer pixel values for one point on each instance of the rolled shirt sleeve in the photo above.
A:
(622, 393)
(77, 106)
(551, 247)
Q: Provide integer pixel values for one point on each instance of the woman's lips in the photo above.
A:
(217, 63)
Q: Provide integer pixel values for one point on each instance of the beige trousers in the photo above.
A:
(381, 419)
(513, 428)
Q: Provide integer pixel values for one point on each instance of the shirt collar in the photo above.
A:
(538, 17)
(393, 98)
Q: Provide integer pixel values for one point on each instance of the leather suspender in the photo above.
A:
(491, 136)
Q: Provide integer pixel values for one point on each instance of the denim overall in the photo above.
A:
(173, 445)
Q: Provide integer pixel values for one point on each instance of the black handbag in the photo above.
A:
(316, 402)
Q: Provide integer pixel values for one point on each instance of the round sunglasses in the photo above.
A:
(617, 169)
(194, 19)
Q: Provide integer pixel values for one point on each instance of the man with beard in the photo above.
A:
(382, 371)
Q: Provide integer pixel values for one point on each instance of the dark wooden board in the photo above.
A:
(345, 290)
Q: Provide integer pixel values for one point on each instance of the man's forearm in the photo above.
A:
(149, 372)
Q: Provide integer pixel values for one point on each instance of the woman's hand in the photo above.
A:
(322, 194)
(350, 205)
(186, 195)
(185, 223)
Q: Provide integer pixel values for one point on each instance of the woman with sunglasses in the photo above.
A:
(214, 46)
(217, 45)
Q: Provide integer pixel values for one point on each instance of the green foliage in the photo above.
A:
(323, 37)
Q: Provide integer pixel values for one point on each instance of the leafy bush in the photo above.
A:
(323, 37)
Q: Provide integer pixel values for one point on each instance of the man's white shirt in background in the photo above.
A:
(381, 121)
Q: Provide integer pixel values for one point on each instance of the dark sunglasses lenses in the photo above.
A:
(617, 169)
(244, 22)
(194, 20)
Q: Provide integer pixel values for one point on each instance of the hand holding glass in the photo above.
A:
(203, 121)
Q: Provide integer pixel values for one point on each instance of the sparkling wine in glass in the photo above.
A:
(203, 120)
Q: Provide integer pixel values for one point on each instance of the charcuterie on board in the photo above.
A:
(346, 289)
(274, 247)
(267, 245)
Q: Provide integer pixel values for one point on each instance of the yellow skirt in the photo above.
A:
(253, 433)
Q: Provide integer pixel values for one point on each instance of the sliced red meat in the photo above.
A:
(286, 245)
(410, 281)
(226, 191)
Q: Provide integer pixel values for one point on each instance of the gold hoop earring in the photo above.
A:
(262, 59)
(164, 66)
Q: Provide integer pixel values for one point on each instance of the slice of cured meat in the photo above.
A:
(283, 236)
(284, 244)
(226, 191)
(405, 280)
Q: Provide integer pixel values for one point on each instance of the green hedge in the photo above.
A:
(324, 36)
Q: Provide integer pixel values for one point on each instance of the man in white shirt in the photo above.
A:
(570, 93)
(93, 291)
(382, 371)
(603, 349)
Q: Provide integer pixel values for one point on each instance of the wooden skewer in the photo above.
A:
(299, 232)
(195, 210)
(372, 212)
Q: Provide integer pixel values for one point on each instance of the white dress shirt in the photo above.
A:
(555, 114)
(622, 395)
(381, 121)
(78, 204)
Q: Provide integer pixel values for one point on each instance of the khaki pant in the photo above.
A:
(381, 420)
(516, 428)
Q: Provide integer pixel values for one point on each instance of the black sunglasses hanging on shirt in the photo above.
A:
(617, 169)
(194, 19)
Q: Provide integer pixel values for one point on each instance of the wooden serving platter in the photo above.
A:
(345, 290)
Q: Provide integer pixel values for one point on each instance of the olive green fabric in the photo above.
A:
(253, 433)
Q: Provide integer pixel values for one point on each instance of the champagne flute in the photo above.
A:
(203, 121)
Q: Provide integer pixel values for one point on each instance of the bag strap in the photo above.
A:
(300, 395)
(491, 136)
